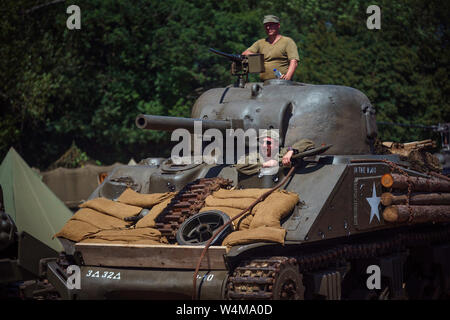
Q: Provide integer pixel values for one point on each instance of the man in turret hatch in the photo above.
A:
(267, 160)
(280, 52)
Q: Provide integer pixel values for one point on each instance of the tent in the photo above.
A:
(73, 186)
(30, 203)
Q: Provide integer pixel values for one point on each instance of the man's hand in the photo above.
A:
(246, 53)
(270, 163)
(290, 73)
(287, 158)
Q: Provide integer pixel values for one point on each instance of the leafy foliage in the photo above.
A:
(144, 56)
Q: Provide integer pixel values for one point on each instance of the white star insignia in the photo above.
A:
(374, 202)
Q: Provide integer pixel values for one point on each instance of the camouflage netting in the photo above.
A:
(424, 161)
(419, 159)
(103, 221)
(72, 158)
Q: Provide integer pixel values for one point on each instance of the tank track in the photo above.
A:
(255, 279)
(186, 203)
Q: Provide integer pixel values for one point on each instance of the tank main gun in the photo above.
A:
(166, 123)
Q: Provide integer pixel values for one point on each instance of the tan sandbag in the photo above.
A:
(261, 234)
(149, 219)
(128, 234)
(103, 241)
(76, 230)
(231, 212)
(244, 222)
(275, 207)
(240, 193)
(131, 197)
(98, 219)
(113, 208)
(238, 203)
(241, 223)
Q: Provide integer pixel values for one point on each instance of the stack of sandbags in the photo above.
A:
(233, 202)
(265, 225)
(102, 220)
(260, 224)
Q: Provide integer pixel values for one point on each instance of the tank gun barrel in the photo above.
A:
(232, 57)
(166, 123)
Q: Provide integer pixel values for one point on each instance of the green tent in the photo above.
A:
(30, 203)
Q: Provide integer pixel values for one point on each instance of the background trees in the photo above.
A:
(87, 86)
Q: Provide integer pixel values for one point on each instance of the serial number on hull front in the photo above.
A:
(107, 275)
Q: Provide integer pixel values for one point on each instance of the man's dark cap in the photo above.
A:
(271, 18)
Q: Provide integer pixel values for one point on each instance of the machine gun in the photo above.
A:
(242, 65)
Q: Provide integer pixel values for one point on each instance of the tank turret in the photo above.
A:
(326, 114)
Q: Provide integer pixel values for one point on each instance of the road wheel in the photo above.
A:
(288, 284)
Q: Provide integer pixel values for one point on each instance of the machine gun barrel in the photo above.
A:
(166, 123)
(232, 57)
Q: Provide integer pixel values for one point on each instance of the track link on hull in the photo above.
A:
(186, 203)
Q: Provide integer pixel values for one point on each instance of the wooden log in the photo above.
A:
(418, 214)
(417, 183)
(418, 144)
(388, 199)
(387, 180)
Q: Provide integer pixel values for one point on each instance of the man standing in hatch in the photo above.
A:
(280, 52)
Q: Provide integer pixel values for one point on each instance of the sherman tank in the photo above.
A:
(366, 226)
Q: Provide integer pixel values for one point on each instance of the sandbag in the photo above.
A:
(128, 235)
(239, 193)
(98, 219)
(113, 208)
(131, 197)
(276, 206)
(261, 234)
(103, 241)
(76, 230)
(149, 219)
(241, 223)
(238, 203)
(244, 222)
(231, 212)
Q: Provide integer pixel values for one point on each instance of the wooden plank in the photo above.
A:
(151, 256)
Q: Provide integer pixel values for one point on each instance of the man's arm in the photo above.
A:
(300, 146)
(290, 73)
(247, 52)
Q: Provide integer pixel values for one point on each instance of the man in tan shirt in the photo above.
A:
(280, 52)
